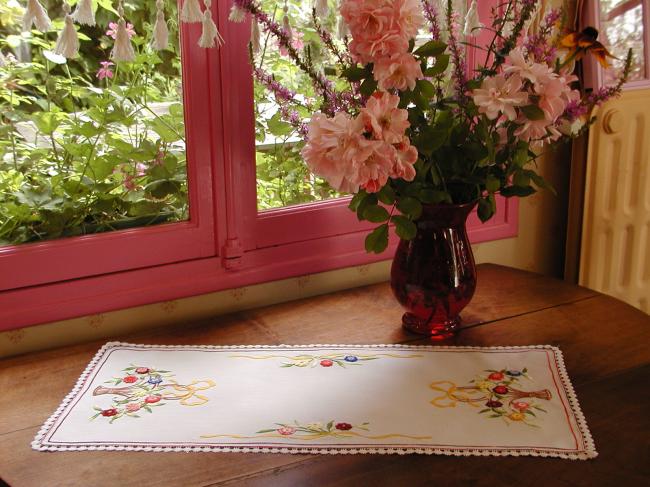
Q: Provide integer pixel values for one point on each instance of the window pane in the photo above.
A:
(621, 28)
(88, 145)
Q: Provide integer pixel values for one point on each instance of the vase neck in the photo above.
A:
(445, 215)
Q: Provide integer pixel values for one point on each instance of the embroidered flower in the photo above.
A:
(350, 358)
(314, 426)
(501, 390)
(326, 363)
(286, 430)
(152, 399)
(495, 376)
(343, 426)
(133, 407)
(109, 412)
(130, 379)
(517, 416)
(494, 404)
(142, 370)
(520, 405)
(155, 379)
(484, 385)
(514, 373)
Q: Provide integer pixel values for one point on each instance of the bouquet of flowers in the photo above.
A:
(404, 122)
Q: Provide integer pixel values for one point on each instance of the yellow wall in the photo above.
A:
(539, 248)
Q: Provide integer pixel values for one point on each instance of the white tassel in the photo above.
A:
(322, 8)
(286, 25)
(191, 12)
(472, 20)
(67, 45)
(36, 15)
(84, 13)
(255, 36)
(237, 14)
(122, 49)
(210, 36)
(160, 29)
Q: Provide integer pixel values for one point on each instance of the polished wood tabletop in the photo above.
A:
(605, 345)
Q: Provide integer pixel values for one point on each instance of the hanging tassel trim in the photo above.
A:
(191, 12)
(160, 30)
(237, 14)
(210, 36)
(84, 13)
(322, 9)
(286, 25)
(67, 45)
(37, 16)
(255, 36)
(122, 49)
(472, 20)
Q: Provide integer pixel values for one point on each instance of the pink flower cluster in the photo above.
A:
(364, 151)
(523, 83)
(381, 31)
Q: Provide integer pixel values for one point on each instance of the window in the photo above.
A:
(249, 221)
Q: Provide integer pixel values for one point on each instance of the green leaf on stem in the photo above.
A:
(442, 63)
(533, 112)
(404, 227)
(377, 240)
(410, 207)
(431, 48)
(375, 214)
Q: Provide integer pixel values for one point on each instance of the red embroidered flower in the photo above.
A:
(343, 426)
(142, 370)
(152, 399)
(521, 405)
(494, 404)
(286, 430)
(501, 390)
(130, 379)
(109, 412)
(495, 376)
(326, 363)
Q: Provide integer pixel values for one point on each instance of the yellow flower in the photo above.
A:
(516, 416)
(485, 385)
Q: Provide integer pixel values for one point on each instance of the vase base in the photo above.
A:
(438, 330)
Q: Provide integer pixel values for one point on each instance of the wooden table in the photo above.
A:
(605, 344)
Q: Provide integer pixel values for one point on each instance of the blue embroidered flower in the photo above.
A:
(155, 379)
(513, 373)
(351, 358)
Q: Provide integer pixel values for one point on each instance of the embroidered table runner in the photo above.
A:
(323, 399)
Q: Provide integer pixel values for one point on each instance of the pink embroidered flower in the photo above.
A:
(105, 70)
(406, 156)
(520, 405)
(383, 119)
(133, 407)
(495, 376)
(326, 363)
(112, 30)
(109, 412)
(499, 95)
(286, 430)
(152, 399)
(399, 71)
(142, 370)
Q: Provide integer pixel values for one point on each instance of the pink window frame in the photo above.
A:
(233, 245)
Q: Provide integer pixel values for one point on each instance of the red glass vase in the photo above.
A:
(434, 276)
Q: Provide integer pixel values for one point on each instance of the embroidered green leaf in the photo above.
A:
(484, 410)
(264, 431)
(329, 425)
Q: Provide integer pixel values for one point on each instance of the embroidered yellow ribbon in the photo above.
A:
(187, 392)
(452, 394)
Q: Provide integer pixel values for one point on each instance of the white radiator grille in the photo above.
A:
(615, 253)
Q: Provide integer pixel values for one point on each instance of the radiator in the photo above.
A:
(615, 248)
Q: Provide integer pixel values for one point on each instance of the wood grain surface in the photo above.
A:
(605, 344)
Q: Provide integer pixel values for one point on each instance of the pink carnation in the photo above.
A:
(383, 119)
(499, 95)
(399, 71)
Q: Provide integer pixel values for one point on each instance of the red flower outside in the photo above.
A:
(326, 363)
(109, 412)
(343, 426)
